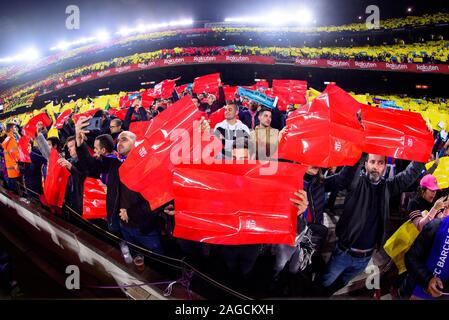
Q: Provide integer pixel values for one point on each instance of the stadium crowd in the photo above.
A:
(248, 130)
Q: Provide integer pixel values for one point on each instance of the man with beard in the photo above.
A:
(362, 227)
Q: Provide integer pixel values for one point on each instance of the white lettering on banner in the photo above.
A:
(337, 64)
(174, 61)
(85, 78)
(409, 142)
(427, 68)
(146, 65)
(365, 65)
(250, 224)
(204, 59)
(122, 69)
(237, 59)
(306, 62)
(142, 152)
(70, 82)
(337, 146)
(103, 73)
(394, 66)
(442, 258)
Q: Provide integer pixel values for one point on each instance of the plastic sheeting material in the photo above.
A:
(30, 127)
(56, 181)
(23, 145)
(94, 199)
(208, 83)
(62, 118)
(396, 133)
(149, 168)
(325, 134)
(235, 204)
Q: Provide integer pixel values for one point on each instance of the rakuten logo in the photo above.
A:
(103, 73)
(70, 82)
(85, 78)
(174, 61)
(393, 66)
(237, 59)
(146, 65)
(204, 59)
(122, 69)
(306, 62)
(427, 68)
(338, 64)
(365, 65)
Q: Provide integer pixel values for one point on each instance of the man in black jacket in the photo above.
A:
(362, 226)
(127, 211)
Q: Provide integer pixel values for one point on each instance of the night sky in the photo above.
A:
(42, 23)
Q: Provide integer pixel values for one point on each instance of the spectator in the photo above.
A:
(362, 227)
(11, 154)
(127, 211)
(420, 219)
(230, 129)
(212, 103)
(427, 266)
(428, 187)
(115, 128)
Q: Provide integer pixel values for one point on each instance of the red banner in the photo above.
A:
(23, 145)
(396, 133)
(211, 203)
(150, 160)
(94, 199)
(327, 133)
(56, 181)
(30, 128)
(62, 118)
(208, 83)
(139, 128)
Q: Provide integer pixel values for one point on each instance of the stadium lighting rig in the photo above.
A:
(143, 28)
(27, 55)
(277, 18)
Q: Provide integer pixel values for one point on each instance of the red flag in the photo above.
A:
(139, 128)
(62, 118)
(211, 202)
(327, 135)
(217, 117)
(230, 92)
(164, 89)
(150, 160)
(290, 92)
(94, 199)
(23, 145)
(180, 89)
(208, 83)
(147, 98)
(56, 181)
(30, 127)
(396, 133)
(85, 114)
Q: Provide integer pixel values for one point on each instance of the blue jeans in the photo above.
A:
(344, 266)
(150, 241)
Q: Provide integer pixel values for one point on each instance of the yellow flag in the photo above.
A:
(53, 132)
(442, 172)
(312, 94)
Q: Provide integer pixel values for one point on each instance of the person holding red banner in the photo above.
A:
(212, 103)
(128, 212)
(115, 127)
(362, 227)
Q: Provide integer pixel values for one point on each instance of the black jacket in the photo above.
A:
(315, 196)
(110, 166)
(356, 207)
(118, 196)
(75, 187)
(219, 103)
(416, 257)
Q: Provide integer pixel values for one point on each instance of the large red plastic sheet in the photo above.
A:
(328, 134)
(180, 89)
(290, 91)
(164, 89)
(56, 181)
(62, 118)
(230, 92)
(149, 168)
(30, 127)
(236, 204)
(139, 128)
(208, 83)
(396, 133)
(23, 145)
(216, 117)
(94, 199)
(89, 113)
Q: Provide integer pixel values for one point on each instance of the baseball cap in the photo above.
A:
(430, 182)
